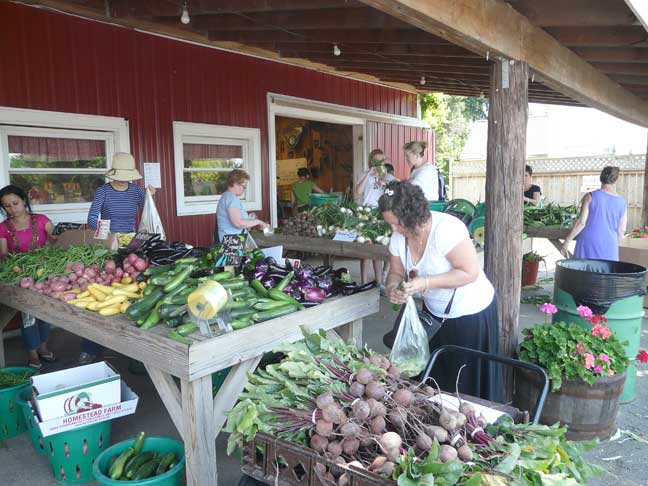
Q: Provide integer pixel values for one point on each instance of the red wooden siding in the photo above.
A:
(391, 138)
(51, 61)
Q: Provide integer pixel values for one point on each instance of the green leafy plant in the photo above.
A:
(568, 351)
(532, 256)
(638, 233)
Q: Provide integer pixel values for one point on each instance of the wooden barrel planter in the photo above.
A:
(588, 411)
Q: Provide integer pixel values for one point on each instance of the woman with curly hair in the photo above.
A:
(432, 255)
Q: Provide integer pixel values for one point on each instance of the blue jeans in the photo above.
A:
(90, 347)
(35, 335)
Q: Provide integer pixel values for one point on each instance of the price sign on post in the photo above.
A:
(231, 251)
(103, 229)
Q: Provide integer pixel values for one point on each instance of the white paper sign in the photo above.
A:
(275, 252)
(590, 183)
(152, 174)
(345, 235)
(103, 229)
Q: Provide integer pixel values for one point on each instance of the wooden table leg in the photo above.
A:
(6, 314)
(199, 432)
(558, 245)
(352, 332)
(170, 395)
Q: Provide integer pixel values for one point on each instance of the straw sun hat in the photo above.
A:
(123, 168)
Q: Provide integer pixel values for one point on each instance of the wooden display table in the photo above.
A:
(323, 246)
(196, 412)
(554, 234)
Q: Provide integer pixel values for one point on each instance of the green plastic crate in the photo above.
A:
(162, 445)
(317, 199)
(12, 422)
(31, 421)
(72, 453)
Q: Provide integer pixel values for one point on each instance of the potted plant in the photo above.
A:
(530, 264)
(587, 372)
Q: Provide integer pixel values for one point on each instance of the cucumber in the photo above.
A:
(168, 310)
(281, 296)
(186, 329)
(149, 289)
(146, 470)
(180, 339)
(241, 313)
(117, 468)
(274, 313)
(143, 458)
(165, 462)
(285, 281)
(139, 442)
(226, 275)
(240, 323)
(242, 304)
(259, 288)
(152, 271)
(234, 284)
(152, 320)
(264, 306)
(179, 278)
(142, 307)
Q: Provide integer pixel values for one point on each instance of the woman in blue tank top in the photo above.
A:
(602, 221)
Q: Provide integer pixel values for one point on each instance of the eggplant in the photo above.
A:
(204, 272)
(256, 275)
(349, 289)
(308, 304)
(309, 282)
(288, 288)
(296, 294)
(261, 266)
(326, 283)
(314, 294)
(337, 273)
(367, 286)
(268, 282)
(270, 260)
(322, 271)
(277, 275)
(304, 272)
(274, 268)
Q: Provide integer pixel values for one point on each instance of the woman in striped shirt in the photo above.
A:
(117, 201)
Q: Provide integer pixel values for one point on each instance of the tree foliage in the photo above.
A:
(450, 117)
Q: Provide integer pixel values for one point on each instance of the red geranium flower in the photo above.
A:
(642, 356)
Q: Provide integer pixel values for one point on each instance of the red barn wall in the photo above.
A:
(57, 62)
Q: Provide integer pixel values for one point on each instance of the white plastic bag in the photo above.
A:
(411, 351)
(151, 222)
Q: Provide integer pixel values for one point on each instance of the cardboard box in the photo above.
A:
(85, 237)
(76, 390)
(109, 412)
(635, 250)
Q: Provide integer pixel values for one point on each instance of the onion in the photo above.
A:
(390, 441)
(119, 272)
(132, 258)
(72, 277)
(77, 267)
(78, 273)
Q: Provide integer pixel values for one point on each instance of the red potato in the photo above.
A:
(78, 273)
(77, 266)
(39, 285)
(26, 282)
(140, 264)
(110, 266)
(132, 258)
(119, 273)
(58, 286)
(72, 277)
(68, 296)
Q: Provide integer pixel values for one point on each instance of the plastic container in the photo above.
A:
(438, 206)
(12, 422)
(162, 445)
(613, 289)
(316, 199)
(30, 420)
(72, 453)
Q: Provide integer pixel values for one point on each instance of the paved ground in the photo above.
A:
(22, 466)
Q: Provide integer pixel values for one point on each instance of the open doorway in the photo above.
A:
(325, 149)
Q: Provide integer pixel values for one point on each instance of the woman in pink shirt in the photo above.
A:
(21, 232)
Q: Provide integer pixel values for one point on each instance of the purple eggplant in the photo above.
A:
(314, 294)
(259, 275)
(288, 288)
(268, 282)
(296, 294)
(325, 283)
(307, 282)
(261, 266)
(304, 272)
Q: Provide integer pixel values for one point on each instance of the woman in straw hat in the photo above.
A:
(117, 201)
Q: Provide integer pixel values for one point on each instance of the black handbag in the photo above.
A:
(431, 324)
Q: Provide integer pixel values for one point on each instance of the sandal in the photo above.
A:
(47, 357)
(36, 366)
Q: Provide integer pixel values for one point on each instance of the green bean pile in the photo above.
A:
(8, 379)
(49, 260)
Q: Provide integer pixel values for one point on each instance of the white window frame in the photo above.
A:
(249, 139)
(40, 123)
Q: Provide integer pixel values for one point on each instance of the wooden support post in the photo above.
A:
(506, 157)
(644, 210)
(170, 395)
(200, 431)
(6, 314)
(352, 332)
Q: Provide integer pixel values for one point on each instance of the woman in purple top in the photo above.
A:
(601, 223)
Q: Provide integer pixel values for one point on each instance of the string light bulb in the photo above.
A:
(336, 50)
(184, 18)
(422, 81)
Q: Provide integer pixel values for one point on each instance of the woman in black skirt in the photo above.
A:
(440, 260)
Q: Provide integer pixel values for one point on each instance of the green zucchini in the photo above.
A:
(281, 296)
(234, 284)
(173, 322)
(179, 278)
(149, 289)
(241, 313)
(226, 275)
(143, 458)
(264, 306)
(142, 307)
(240, 324)
(274, 313)
(165, 462)
(139, 442)
(259, 288)
(152, 271)
(285, 281)
(186, 329)
(168, 310)
(117, 468)
(178, 338)
(152, 320)
(146, 470)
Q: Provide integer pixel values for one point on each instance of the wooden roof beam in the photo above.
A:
(496, 28)
(621, 67)
(367, 36)
(612, 54)
(369, 49)
(343, 18)
(452, 62)
(612, 36)
(168, 8)
(554, 13)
